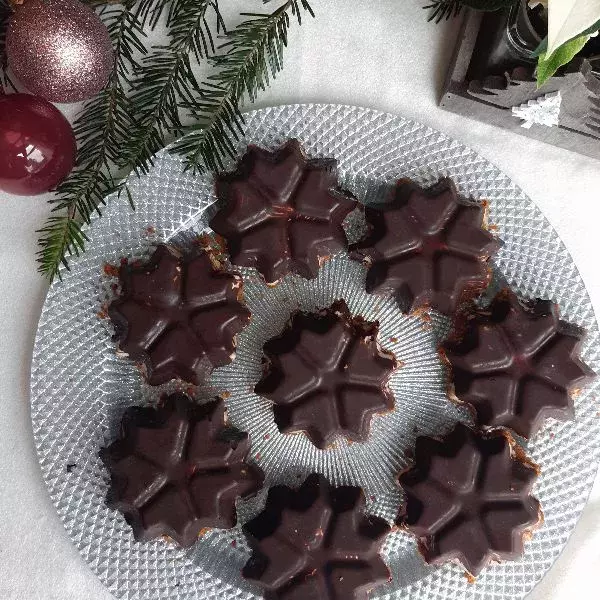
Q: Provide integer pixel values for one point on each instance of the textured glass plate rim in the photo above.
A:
(434, 582)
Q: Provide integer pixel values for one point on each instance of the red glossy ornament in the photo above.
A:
(37, 145)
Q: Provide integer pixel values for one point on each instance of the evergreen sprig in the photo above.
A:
(100, 130)
(251, 54)
(125, 125)
(5, 13)
(165, 80)
(443, 9)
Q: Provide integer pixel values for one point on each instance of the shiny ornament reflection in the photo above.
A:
(37, 145)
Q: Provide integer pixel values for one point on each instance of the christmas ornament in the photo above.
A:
(543, 110)
(37, 145)
(214, 102)
(59, 49)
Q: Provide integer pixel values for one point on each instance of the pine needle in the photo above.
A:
(443, 9)
(165, 80)
(5, 13)
(117, 134)
(251, 55)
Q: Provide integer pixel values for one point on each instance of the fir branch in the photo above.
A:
(149, 12)
(165, 80)
(5, 13)
(443, 9)
(250, 56)
(110, 136)
(100, 130)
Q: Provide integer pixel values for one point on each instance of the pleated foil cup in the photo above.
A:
(80, 387)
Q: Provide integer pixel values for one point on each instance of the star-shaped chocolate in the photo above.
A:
(282, 213)
(427, 247)
(327, 375)
(516, 363)
(316, 543)
(178, 315)
(468, 497)
(178, 469)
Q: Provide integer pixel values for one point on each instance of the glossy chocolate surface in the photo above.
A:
(316, 543)
(178, 469)
(178, 315)
(427, 247)
(282, 212)
(468, 497)
(516, 363)
(327, 375)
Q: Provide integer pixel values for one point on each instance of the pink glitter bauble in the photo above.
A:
(59, 49)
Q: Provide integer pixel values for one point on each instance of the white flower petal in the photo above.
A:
(568, 18)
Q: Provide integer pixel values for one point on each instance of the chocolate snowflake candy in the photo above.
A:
(282, 212)
(316, 543)
(468, 497)
(178, 315)
(327, 375)
(516, 363)
(178, 469)
(427, 247)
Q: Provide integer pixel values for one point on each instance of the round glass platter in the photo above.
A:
(80, 387)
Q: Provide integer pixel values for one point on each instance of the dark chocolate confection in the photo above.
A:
(516, 364)
(178, 468)
(178, 315)
(326, 374)
(427, 247)
(282, 212)
(316, 543)
(468, 497)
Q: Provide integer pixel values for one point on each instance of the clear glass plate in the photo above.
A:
(79, 387)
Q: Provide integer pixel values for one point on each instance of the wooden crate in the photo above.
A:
(579, 128)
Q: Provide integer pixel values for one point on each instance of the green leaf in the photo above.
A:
(569, 19)
(541, 49)
(548, 65)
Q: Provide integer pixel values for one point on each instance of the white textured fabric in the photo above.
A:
(386, 57)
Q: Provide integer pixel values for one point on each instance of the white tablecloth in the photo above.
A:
(382, 55)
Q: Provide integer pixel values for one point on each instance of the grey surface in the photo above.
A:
(399, 70)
